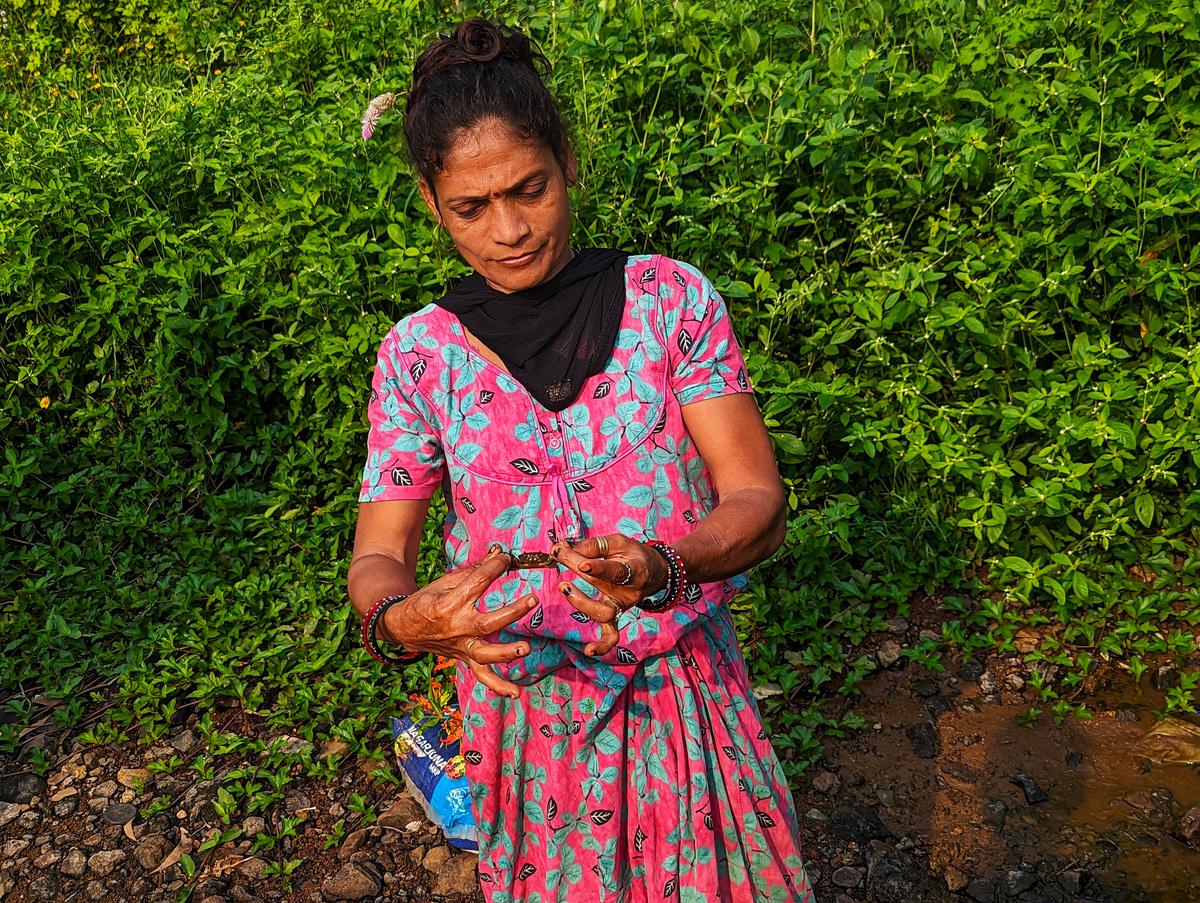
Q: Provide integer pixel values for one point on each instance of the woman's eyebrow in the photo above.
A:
(514, 189)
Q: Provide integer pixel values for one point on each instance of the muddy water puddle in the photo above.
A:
(1079, 806)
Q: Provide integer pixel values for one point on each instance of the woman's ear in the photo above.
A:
(571, 170)
(430, 200)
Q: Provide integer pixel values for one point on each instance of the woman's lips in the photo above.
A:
(523, 260)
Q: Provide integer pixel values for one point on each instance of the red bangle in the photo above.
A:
(370, 640)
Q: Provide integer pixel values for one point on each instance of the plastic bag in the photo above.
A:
(435, 774)
(1172, 741)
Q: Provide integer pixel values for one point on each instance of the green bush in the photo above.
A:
(959, 243)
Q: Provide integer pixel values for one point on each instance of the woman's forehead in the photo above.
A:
(491, 158)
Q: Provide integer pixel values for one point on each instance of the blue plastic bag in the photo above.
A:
(435, 774)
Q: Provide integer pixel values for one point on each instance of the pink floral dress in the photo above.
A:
(643, 774)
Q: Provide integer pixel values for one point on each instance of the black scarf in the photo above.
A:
(553, 336)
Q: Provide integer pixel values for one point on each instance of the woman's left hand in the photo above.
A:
(624, 571)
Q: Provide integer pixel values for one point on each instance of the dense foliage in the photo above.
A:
(959, 240)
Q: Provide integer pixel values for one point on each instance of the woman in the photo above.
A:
(593, 405)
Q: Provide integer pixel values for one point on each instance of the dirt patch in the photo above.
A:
(974, 805)
(946, 796)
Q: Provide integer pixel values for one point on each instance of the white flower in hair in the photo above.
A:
(376, 108)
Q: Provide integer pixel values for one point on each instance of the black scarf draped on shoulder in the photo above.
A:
(553, 336)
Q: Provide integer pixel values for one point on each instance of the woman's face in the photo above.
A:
(504, 202)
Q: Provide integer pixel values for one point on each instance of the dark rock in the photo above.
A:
(1188, 829)
(119, 813)
(826, 782)
(971, 669)
(151, 851)
(936, 706)
(888, 653)
(1128, 715)
(1033, 793)
(988, 683)
(893, 876)
(298, 804)
(1074, 759)
(847, 876)
(350, 883)
(252, 868)
(994, 814)
(982, 891)
(925, 687)
(458, 879)
(402, 813)
(65, 808)
(353, 843)
(185, 741)
(105, 861)
(73, 863)
(924, 739)
(45, 887)
(1071, 881)
(1166, 677)
(858, 823)
(21, 788)
(1016, 881)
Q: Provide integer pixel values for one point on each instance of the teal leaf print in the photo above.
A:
(638, 497)
(509, 518)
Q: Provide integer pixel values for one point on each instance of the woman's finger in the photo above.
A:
(490, 622)
(495, 653)
(613, 575)
(609, 635)
(599, 610)
(492, 680)
(484, 574)
(582, 558)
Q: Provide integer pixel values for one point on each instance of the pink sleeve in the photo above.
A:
(404, 451)
(702, 350)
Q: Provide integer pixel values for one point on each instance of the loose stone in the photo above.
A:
(119, 813)
(73, 863)
(848, 877)
(151, 851)
(888, 653)
(133, 778)
(350, 883)
(105, 861)
(458, 877)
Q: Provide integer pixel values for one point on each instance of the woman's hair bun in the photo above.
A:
(480, 40)
(478, 71)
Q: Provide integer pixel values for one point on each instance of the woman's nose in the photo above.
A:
(510, 226)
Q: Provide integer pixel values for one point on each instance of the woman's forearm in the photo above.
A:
(375, 575)
(743, 530)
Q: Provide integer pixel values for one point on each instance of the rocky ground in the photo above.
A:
(944, 797)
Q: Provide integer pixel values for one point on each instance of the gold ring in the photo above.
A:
(602, 545)
(471, 644)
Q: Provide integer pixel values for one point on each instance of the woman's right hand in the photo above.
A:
(442, 618)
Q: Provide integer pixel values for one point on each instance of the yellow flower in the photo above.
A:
(216, 72)
(44, 402)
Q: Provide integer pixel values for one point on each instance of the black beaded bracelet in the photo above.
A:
(677, 584)
(370, 640)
